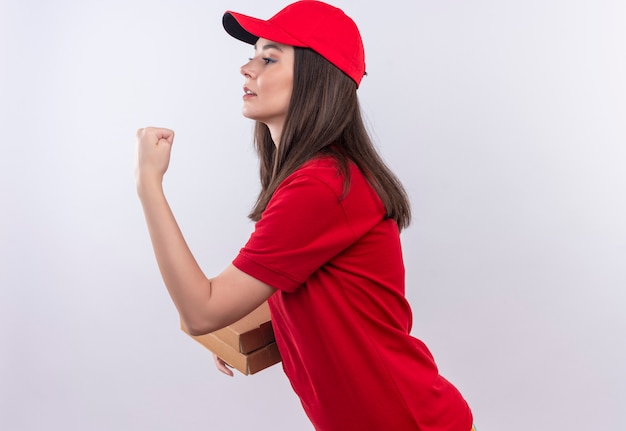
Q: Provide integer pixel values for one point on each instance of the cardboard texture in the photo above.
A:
(250, 363)
(251, 332)
(247, 345)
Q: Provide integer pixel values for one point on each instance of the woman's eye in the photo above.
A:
(265, 60)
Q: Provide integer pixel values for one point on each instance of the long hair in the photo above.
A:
(324, 117)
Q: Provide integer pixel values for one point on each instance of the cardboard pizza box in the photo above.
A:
(251, 332)
(248, 345)
(249, 363)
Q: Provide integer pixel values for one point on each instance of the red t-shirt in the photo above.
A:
(340, 316)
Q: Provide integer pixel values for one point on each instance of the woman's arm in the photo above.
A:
(204, 304)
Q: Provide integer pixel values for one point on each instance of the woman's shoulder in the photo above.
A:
(320, 184)
(319, 163)
(326, 167)
(326, 170)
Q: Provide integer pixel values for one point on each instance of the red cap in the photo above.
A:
(313, 24)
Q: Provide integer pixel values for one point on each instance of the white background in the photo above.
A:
(504, 119)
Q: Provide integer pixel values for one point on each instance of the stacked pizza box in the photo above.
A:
(247, 345)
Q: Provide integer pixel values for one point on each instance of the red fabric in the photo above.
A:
(340, 316)
(299, 24)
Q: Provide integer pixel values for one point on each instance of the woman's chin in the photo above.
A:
(246, 113)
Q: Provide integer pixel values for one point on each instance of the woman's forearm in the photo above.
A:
(188, 287)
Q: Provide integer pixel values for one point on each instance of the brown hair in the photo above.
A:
(324, 117)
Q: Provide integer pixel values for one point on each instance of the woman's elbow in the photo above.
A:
(196, 328)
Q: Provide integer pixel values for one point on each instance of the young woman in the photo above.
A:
(326, 247)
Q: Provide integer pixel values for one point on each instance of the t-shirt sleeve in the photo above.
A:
(303, 227)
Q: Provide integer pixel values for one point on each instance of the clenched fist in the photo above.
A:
(152, 155)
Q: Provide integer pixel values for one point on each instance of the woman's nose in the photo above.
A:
(247, 70)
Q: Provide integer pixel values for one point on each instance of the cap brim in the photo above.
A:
(232, 27)
(249, 29)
